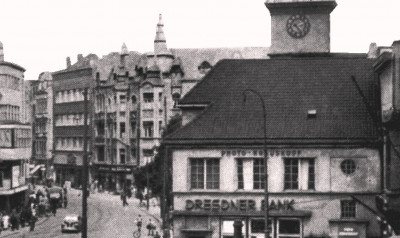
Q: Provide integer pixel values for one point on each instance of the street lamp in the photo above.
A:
(265, 156)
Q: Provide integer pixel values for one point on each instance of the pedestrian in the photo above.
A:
(6, 221)
(140, 196)
(150, 227)
(32, 222)
(123, 198)
(157, 235)
(138, 222)
(65, 200)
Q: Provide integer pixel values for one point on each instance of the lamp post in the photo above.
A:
(85, 166)
(265, 156)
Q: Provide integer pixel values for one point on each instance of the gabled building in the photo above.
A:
(323, 148)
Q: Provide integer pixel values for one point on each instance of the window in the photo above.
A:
(299, 173)
(122, 129)
(148, 128)
(160, 128)
(348, 166)
(204, 173)
(289, 228)
(122, 99)
(148, 97)
(1, 178)
(41, 105)
(122, 156)
(176, 97)
(347, 209)
(148, 113)
(100, 153)
(133, 98)
(160, 97)
(258, 174)
(22, 138)
(240, 174)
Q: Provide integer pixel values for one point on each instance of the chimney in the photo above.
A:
(68, 62)
(373, 51)
(1, 52)
(80, 57)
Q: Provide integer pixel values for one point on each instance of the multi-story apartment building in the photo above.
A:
(42, 150)
(68, 118)
(15, 135)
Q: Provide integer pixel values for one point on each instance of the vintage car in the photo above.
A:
(57, 194)
(71, 223)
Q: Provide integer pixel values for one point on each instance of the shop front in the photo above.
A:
(113, 177)
(68, 168)
(289, 216)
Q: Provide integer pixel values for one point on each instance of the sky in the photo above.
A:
(39, 34)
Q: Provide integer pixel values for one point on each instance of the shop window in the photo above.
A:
(257, 227)
(347, 209)
(148, 127)
(122, 158)
(289, 228)
(348, 166)
(228, 229)
(299, 174)
(204, 173)
(148, 97)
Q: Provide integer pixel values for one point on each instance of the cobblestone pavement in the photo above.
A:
(106, 218)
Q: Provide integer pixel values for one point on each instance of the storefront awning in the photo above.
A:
(37, 167)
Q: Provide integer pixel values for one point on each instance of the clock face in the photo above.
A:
(298, 26)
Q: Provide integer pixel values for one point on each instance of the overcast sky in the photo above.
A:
(40, 34)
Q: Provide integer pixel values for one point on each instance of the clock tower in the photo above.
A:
(300, 26)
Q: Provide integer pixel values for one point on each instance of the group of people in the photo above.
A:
(151, 227)
(40, 203)
(19, 217)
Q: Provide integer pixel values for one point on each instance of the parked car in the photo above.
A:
(72, 223)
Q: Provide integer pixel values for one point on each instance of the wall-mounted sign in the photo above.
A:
(114, 169)
(242, 152)
(237, 205)
(348, 230)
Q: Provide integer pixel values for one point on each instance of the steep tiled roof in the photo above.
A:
(290, 87)
(192, 58)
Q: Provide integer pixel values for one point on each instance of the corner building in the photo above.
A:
(323, 149)
(15, 136)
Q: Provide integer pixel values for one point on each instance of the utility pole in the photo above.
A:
(85, 166)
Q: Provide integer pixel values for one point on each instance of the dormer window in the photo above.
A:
(204, 67)
(176, 97)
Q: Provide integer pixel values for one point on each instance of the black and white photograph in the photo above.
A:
(200, 119)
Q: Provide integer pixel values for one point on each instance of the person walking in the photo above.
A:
(150, 227)
(32, 220)
(124, 202)
(138, 222)
(157, 235)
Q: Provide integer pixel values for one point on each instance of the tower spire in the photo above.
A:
(160, 42)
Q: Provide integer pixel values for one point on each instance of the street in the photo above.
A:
(106, 218)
